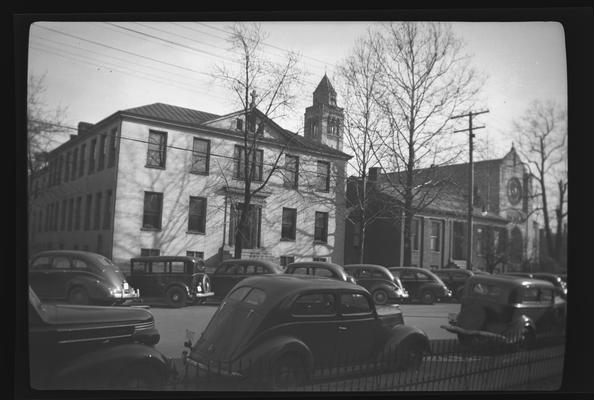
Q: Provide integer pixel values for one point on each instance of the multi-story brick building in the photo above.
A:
(503, 222)
(161, 179)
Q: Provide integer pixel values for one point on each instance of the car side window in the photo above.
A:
(158, 267)
(546, 296)
(255, 297)
(422, 276)
(314, 304)
(139, 267)
(459, 276)
(178, 267)
(79, 264)
(301, 270)
(407, 276)
(354, 303)
(61, 263)
(323, 272)
(41, 263)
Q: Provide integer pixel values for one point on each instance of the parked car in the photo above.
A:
(85, 347)
(508, 309)
(321, 269)
(556, 280)
(177, 279)
(379, 281)
(422, 284)
(230, 272)
(282, 330)
(80, 277)
(455, 279)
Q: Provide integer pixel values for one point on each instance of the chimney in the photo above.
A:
(84, 127)
(72, 137)
(372, 175)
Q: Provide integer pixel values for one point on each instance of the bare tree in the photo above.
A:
(541, 135)
(425, 80)
(359, 77)
(265, 90)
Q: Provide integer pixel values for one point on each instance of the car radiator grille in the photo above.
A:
(96, 334)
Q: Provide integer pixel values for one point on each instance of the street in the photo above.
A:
(172, 323)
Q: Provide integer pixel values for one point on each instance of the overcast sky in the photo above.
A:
(97, 68)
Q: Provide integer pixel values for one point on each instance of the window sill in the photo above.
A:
(199, 173)
(154, 166)
(320, 242)
(287, 239)
(150, 229)
(195, 233)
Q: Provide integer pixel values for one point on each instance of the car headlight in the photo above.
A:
(116, 292)
(199, 289)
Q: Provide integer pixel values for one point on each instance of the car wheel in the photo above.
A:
(427, 297)
(380, 297)
(176, 297)
(410, 355)
(288, 372)
(138, 376)
(206, 283)
(78, 295)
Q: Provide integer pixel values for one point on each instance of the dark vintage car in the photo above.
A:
(508, 309)
(283, 330)
(321, 269)
(422, 284)
(230, 272)
(556, 280)
(80, 277)
(93, 347)
(455, 279)
(177, 279)
(379, 281)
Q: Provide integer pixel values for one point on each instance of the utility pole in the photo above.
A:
(470, 179)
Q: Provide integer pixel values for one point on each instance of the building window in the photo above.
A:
(321, 227)
(88, 212)
(67, 167)
(289, 224)
(323, 176)
(156, 149)
(435, 238)
(81, 163)
(257, 166)
(63, 224)
(291, 171)
(107, 210)
(415, 227)
(77, 213)
(153, 204)
(200, 156)
(239, 124)
(97, 216)
(70, 213)
(74, 169)
(195, 254)
(102, 149)
(197, 215)
(112, 147)
(149, 252)
(92, 150)
(286, 260)
(481, 241)
(100, 244)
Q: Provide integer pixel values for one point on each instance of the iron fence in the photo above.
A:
(448, 367)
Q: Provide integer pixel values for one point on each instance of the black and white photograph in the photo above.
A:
(301, 205)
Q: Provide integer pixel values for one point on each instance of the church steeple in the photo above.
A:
(323, 120)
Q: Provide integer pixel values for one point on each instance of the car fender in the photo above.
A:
(183, 285)
(94, 286)
(105, 363)
(402, 333)
(273, 349)
(518, 325)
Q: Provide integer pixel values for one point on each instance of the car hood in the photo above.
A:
(231, 326)
(57, 314)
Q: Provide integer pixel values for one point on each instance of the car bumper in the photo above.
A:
(484, 334)
(197, 296)
(195, 369)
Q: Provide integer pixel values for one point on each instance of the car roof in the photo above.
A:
(510, 280)
(374, 266)
(79, 253)
(316, 264)
(452, 270)
(165, 258)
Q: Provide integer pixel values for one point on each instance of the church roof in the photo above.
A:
(325, 86)
(168, 112)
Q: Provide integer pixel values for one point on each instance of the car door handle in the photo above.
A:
(342, 328)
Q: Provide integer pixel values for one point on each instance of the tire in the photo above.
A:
(176, 297)
(288, 372)
(380, 297)
(427, 297)
(78, 295)
(138, 376)
(409, 355)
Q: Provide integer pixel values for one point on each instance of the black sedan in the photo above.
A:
(282, 331)
(230, 272)
(422, 284)
(320, 269)
(93, 347)
(380, 282)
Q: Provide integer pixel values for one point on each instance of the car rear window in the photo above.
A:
(239, 293)
(486, 290)
(249, 295)
(41, 263)
(314, 304)
(354, 303)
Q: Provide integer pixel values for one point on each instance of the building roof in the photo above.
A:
(325, 86)
(168, 112)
